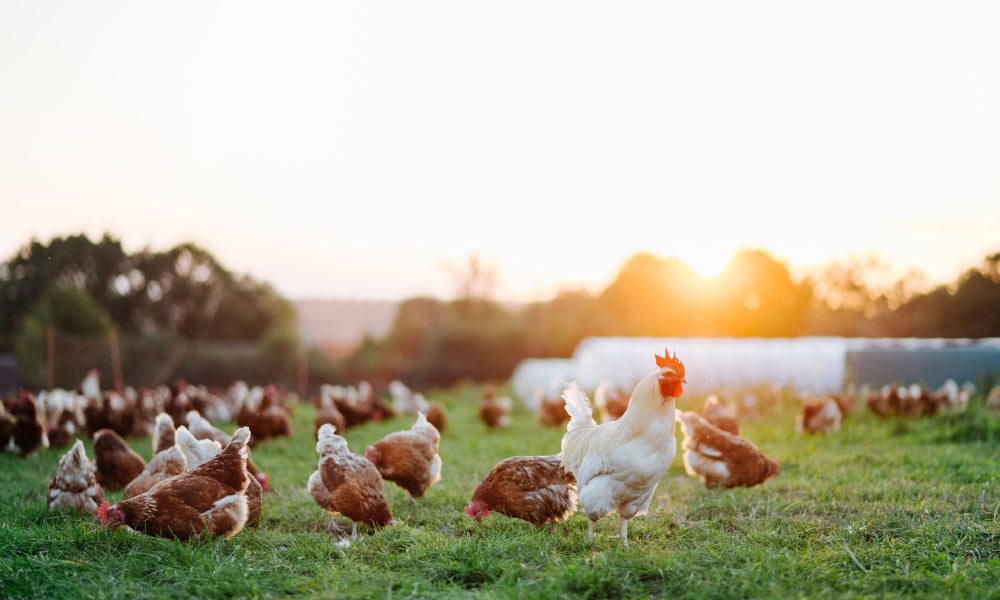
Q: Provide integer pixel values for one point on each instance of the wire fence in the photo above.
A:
(148, 361)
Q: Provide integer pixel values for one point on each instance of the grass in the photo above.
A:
(883, 509)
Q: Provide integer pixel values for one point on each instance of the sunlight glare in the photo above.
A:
(708, 262)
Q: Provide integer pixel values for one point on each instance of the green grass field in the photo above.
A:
(893, 508)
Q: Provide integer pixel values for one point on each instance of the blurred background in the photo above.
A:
(436, 192)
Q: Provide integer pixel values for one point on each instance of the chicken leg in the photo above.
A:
(354, 530)
(590, 531)
(623, 533)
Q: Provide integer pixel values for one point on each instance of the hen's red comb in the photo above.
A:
(102, 512)
(670, 361)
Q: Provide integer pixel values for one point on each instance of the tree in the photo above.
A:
(653, 296)
(183, 291)
(68, 262)
(66, 309)
(476, 280)
(756, 296)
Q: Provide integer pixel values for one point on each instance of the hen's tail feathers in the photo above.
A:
(688, 420)
(424, 427)
(228, 516)
(329, 442)
(601, 394)
(240, 440)
(578, 407)
(184, 438)
(161, 427)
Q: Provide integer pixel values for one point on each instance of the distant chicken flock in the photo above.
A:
(202, 480)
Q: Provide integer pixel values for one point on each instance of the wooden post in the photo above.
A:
(50, 358)
(116, 363)
(303, 374)
(172, 363)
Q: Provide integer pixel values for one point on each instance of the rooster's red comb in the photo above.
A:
(670, 361)
(102, 512)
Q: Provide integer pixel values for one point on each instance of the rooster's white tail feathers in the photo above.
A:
(578, 407)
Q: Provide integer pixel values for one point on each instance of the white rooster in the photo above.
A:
(618, 464)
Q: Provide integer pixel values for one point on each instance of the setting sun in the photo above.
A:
(708, 262)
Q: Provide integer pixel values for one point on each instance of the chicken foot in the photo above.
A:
(624, 531)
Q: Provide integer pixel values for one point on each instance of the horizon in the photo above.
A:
(883, 276)
(360, 149)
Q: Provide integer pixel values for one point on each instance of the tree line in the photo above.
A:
(434, 342)
(82, 287)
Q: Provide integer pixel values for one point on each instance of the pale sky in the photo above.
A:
(350, 149)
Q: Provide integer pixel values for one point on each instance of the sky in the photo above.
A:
(354, 149)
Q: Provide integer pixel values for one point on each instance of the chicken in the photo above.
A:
(268, 420)
(929, 403)
(902, 402)
(349, 403)
(552, 412)
(380, 408)
(163, 433)
(536, 489)
(6, 427)
(62, 426)
(993, 400)
(120, 414)
(955, 399)
(878, 403)
(618, 464)
(74, 485)
(208, 499)
(203, 430)
(199, 427)
(198, 452)
(178, 403)
(716, 413)
(406, 401)
(117, 463)
(91, 384)
(109, 410)
(915, 400)
(819, 415)
(361, 404)
(348, 484)
(722, 459)
(436, 415)
(845, 402)
(493, 412)
(28, 435)
(165, 464)
(328, 413)
(409, 458)
(611, 401)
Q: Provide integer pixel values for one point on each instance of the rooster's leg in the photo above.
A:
(624, 532)
(354, 530)
(590, 530)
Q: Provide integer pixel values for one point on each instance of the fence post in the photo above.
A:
(172, 363)
(50, 358)
(116, 363)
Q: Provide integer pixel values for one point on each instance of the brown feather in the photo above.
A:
(534, 488)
